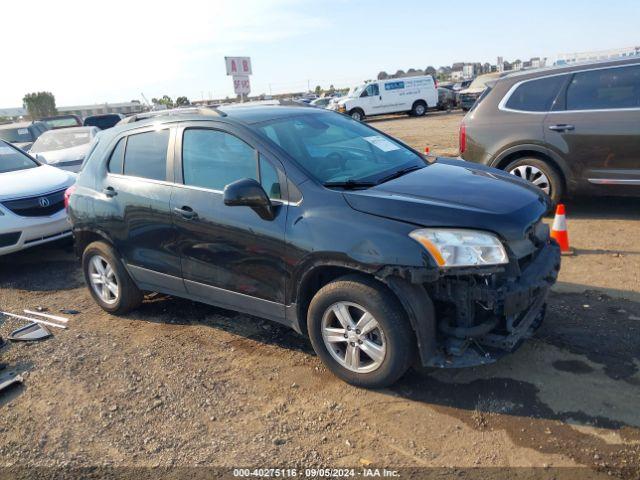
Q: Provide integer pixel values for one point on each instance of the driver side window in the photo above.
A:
(371, 91)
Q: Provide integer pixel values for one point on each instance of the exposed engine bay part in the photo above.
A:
(468, 332)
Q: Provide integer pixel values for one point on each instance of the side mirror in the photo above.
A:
(247, 192)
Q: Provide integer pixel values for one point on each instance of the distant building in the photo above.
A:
(457, 75)
(517, 65)
(574, 57)
(126, 108)
(500, 64)
(468, 71)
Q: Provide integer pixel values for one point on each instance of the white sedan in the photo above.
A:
(64, 148)
(32, 197)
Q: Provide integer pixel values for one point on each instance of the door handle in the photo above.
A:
(185, 212)
(562, 127)
(110, 192)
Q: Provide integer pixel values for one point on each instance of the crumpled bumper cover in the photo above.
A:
(517, 309)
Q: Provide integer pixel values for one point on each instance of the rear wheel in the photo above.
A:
(359, 330)
(357, 114)
(109, 283)
(539, 172)
(419, 109)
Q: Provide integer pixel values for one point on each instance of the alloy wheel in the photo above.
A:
(353, 337)
(533, 175)
(104, 281)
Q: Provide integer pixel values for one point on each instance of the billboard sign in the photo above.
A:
(238, 65)
(241, 85)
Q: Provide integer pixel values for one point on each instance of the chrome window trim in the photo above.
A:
(614, 181)
(505, 99)
(144, 179)
(275, 201)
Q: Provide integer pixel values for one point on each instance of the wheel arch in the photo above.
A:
(413, 298)
(83, 237)
(506, 157)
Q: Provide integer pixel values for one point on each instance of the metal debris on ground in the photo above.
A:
(34, 320)
(45, 315)
(9, 378)
(31, 332)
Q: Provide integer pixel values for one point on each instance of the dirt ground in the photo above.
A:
(184, 384)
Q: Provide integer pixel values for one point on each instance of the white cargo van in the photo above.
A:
(396, 95)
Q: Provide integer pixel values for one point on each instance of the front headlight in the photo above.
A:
(461, 248)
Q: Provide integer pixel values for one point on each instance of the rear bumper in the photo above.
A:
(498, 314)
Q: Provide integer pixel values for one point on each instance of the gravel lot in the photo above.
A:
(183, 384)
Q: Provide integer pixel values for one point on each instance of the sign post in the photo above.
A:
(239, 68)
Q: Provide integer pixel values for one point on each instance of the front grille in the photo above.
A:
(8, 239)
(39, 206)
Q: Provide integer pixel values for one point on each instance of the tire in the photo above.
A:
(357, 114)
(419, 109)
(126, 297)
(540, 173)
(389, 337)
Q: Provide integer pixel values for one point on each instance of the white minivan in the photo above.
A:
(413, 95)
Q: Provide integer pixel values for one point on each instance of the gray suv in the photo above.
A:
(567, 129)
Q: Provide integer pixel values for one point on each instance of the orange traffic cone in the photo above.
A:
(559, 230)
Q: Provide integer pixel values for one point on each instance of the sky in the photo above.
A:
(121, 49)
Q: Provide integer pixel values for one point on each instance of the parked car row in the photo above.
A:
(61, 140)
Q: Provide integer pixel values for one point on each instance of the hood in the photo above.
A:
(23, 145)
(472, 91)
(63, 155)
(33, 181)
(454, 193)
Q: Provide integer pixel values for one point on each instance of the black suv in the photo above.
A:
(314, 220)
(568, 129)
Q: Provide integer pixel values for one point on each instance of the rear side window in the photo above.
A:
(609, 88)
(146, 155)
(117, 158)
(213, 159)
(536, 95)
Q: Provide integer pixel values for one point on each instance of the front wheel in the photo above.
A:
(541, 174)
(357, 114)
(360, 332)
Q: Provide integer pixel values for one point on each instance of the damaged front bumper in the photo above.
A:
(482, 316)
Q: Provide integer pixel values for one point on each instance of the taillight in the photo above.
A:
(435, 80)
(463, 138)
(67, 194)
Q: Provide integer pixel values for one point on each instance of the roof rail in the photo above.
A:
(211, 111)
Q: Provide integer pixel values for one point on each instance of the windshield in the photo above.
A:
(60, 139)
(481, 81)
(12, 159)
(16, 135)
(62, 122)
(355, 91)
(335, 148)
